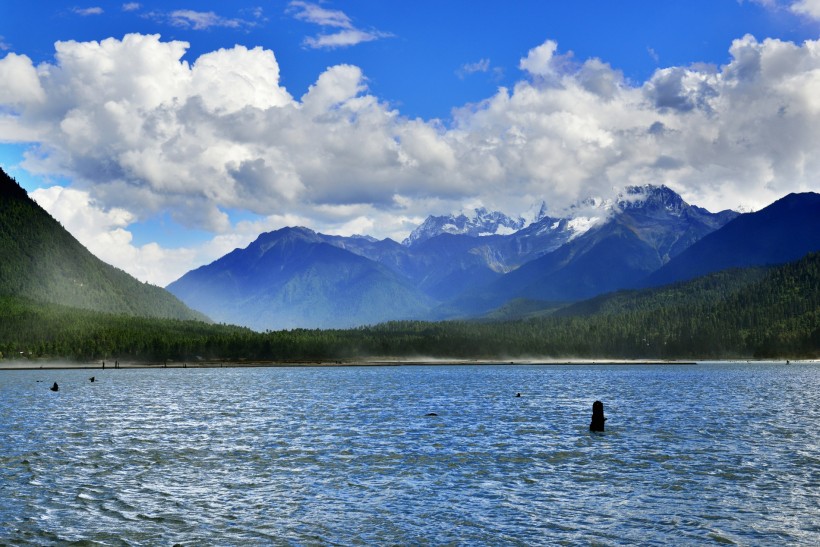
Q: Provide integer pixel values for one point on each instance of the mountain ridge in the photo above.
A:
(782, 232)
(640, 233)
(293, 278)
(608, 245)
(41, 260)
(481, 222)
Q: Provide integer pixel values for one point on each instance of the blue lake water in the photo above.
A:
(703, 454)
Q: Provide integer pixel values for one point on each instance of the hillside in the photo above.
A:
(30, 329)
(782, 232)
(41, 261)
(759, 311)
(771, 312)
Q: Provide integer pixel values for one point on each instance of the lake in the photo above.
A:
(713, 453)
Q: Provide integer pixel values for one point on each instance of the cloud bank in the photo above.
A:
(141, 132)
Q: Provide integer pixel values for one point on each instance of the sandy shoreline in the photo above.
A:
(364, 362)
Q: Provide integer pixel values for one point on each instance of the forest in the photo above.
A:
(41, 261)
(771, 312)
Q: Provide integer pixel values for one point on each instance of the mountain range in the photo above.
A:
(483, 264)
(464, 266)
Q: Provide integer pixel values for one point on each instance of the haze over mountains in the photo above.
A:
(294, 277)
(461, 266)
(467, 266)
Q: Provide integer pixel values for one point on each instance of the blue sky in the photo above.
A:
(166, 134)
(427, 43)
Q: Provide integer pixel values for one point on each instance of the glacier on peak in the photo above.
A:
(576, 219)
(481, 222)
(650, 196)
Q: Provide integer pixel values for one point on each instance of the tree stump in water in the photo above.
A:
(598, 419)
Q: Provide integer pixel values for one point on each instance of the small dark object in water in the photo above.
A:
(91, 379)
(55, 387)
(431, 414)
(518, 395)
(598, 419)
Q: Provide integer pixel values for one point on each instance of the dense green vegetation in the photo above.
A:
(760, 312)
(41, 261)
(37, 329)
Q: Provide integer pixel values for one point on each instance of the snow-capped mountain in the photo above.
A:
(619, 243)
(481, 222)
(450, 266)
(651, 198)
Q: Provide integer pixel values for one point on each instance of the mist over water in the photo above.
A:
(710, 453)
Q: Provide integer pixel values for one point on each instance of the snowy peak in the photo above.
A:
(480, 223)
(536, 213)
(649, 199)
(652, 198)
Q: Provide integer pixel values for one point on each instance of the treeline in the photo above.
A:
(760, 312)
(35, 329)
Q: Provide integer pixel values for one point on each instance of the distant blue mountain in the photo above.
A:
(785, 231)
(295, 277)
(292, 278)
(443, 265)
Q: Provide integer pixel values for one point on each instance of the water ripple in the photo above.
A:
(720, 454)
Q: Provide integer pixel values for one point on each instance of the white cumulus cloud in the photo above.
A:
(141, 132)
(539, 60)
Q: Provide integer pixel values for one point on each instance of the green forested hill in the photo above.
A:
(41, 261)
(32, 329)
(763, 312)
(745, 313)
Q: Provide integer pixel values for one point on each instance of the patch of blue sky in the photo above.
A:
(417, 61)
(239, 215)
(11, 157)
(165, 230)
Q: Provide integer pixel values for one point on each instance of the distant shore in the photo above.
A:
(364, 362)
